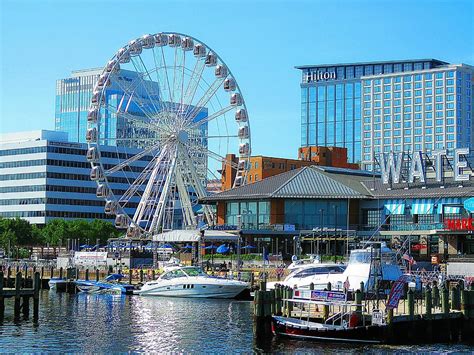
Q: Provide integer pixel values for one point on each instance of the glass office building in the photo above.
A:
(331, 101)
(420, 110)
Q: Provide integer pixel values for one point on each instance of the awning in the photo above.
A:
(445, 206)
(422, 206)
(181, 236)
(395, 206)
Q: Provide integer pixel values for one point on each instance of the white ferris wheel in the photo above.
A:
(173, 110)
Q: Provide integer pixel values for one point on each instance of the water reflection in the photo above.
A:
(114, 323)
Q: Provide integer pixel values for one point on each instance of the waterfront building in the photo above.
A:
(335, 207)
(373, 106)
(44, 176)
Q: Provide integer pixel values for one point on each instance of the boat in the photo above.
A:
(375, 262)
(191, 281)
(346, 325)
(310, 273)
(56, 282)
(111, 285)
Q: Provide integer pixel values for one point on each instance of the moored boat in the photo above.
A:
(56, 282)
(191, 281)
(110, 285)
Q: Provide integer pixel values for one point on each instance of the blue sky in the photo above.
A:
(261, 41)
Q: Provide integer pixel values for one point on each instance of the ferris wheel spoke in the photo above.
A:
(194, 81)
(132, 159)
(219, 158)
(205, 99)
(215, 115)
(132, 97)
(161, 84)
(142, 69)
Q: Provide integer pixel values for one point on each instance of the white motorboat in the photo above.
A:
(306, 273)
(366, 265)
(191, 281)
(56, 282)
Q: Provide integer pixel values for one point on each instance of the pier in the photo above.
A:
(444, 314)
(21, 294)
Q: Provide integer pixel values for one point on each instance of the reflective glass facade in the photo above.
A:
(418, 111)
(331, 101)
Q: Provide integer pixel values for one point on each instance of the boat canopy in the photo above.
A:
(182, 236)
(114, 277)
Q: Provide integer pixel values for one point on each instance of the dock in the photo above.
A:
(22, 296)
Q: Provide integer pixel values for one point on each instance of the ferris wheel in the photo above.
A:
(173, 111)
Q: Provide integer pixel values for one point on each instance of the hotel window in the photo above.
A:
(397, 87)
(418, 86)
(369, 70)
(450, 82)
(418, 77)
(418, 66)
(407, 67)
(377, 69)
(349, 72)
(419, 124)
(407, 93)
(428, 146)
(397, 68)
(439, 82)
(387, 88)
(397, 133)
(359, 71)
(428, 99)
(428, 138)
(387, 68)
(417, 147)
(407, 139)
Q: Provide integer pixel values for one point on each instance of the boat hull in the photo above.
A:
(103, 287)
(194, 290)
(289, 327)
(56, 283)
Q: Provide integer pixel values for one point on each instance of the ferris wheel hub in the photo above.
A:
(182, 137)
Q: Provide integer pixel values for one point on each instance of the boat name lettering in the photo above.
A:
(328, 296)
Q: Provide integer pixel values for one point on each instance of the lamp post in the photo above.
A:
(335, 231)
(321, 211)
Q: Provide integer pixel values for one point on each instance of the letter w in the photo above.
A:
(391, 167)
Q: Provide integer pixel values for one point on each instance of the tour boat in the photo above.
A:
(345, 324)
(191, 281)
(110, 285)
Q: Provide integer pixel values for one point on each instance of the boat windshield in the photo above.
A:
(319, 270)
(194, 271)
(173, 274)
(359, 257)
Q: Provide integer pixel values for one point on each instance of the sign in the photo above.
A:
(396, 292)
(391, 166)
(289, 227)
(332, 296)
(319, 76)
(462, 224)
(378, 317)
(469, 205)
(90, 258)
(419, 246)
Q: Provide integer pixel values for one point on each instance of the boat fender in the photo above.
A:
(353, 320)
(344, 323)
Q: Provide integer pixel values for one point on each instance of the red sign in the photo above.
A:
(419, 246)
(463, 224)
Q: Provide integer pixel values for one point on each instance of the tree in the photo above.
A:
(55, 232)
(102, 231)
(8, 241)
(21, 229)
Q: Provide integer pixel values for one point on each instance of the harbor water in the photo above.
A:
(113, 323)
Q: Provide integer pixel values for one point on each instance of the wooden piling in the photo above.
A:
(130, 274)
(456, 298)
(17, 295)
(141, 275)
(41, 277)
(26, 306)
(61, 272)
(329, 286)
(2, 299)
(97, 276)
(153, 274)
(411, 303)
(278, 303)
(445, 300)
(9, 275)
(428, 303)
(36, 288)
(263, 285)
(51, 272)
(435, 295)
(87, 275)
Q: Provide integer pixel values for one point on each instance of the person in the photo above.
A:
(208, 265)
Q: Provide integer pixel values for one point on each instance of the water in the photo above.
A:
(106, 323)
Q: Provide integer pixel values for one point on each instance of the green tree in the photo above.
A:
(20, 228)
(102, 231)
(8, 241)
(55, 232)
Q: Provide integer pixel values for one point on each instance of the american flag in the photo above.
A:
(409, 258)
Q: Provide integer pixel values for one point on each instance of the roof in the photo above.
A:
(307, 182)
(417, 190)
(194, 236)
(439, 62)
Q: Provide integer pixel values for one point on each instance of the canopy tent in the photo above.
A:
(181, 236)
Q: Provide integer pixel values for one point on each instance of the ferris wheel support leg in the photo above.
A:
(160, 208)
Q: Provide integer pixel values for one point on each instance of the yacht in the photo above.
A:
(191, 281)
(305, 274)
(110, 285)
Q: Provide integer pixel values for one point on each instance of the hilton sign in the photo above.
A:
(391, 166)
(319, 76)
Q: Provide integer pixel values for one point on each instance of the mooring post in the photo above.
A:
(389, 315)
(311, 286)
(270, 303)
(428, 302)
(130, 274)
(263, 285)
(290, 304)
(17, 294)
(362, 290)
(153, 274)
(465, 303)
(252, 279)
(411, 303)
(2, 299)
(435, 295)
(51, 272)
(329, 286)
(9, 275)
(358, 301)
(97, 275)
(61, 272)
(36, 288)
(141, 275)
(445, 299)
(278, 305)
(41, 277)
(456, 298)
